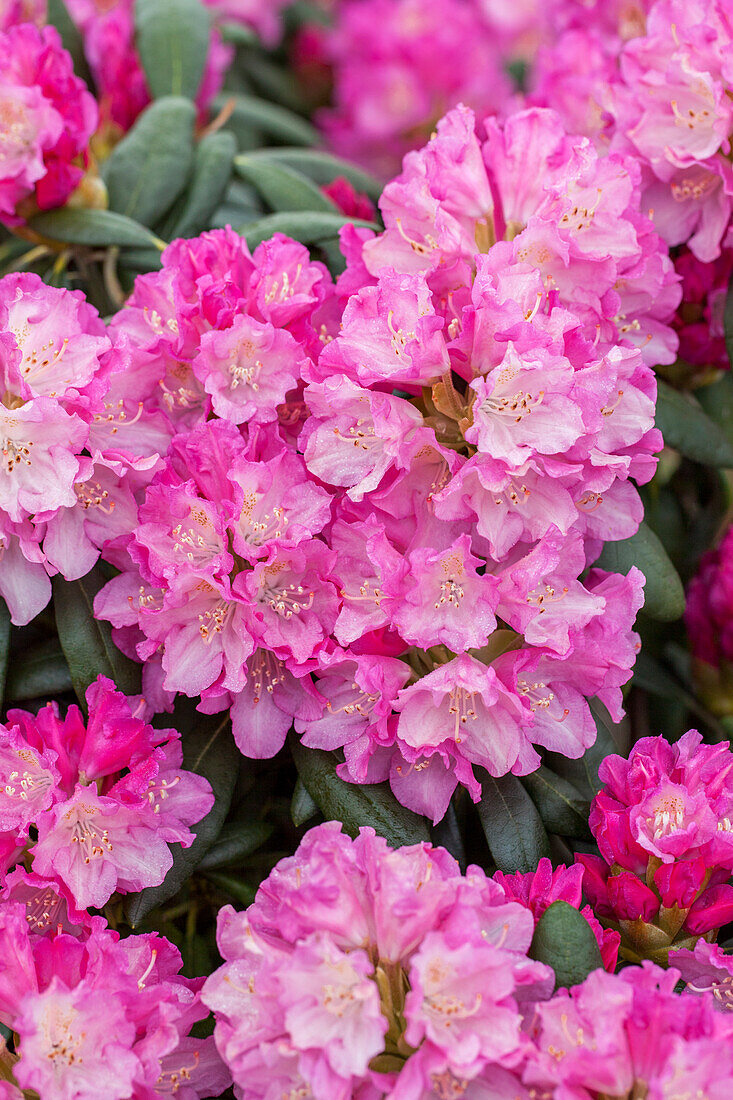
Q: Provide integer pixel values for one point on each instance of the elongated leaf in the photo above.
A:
(310, 228)
(172, 38)
(212, 170)
(664, 596)
(512, 825)
(39, 671)
(208, 750)
(302, 807)
(4, 648)
(93, 228)
(58, 16)
(686, 426)
(321, 167)
(86, 641)
(150, 167)
(235, 842)
(447, 834)
(562, 807)
(140, 259)
(279, 123)
(354, 805)
(654, 678)
(282, 188)
(564, 940)
(717, 399)
(238, 890)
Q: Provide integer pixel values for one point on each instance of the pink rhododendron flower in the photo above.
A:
(662, 824)
(320, 541)
(355, 959)
(105, 797)
(102, 1016)
(47, 116)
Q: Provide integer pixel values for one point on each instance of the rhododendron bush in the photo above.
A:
(366, 615)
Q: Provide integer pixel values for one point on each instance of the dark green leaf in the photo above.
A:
(302, 807)
(93, 228)
(86, 641)
(310, 228)
(238, 34)
(208, 750)
(654, 678)
(212, 170)
(237, 889)
(4, 648)
(687, 427)
(282, 188)
(140, 259)
(447, 834)
(235, 842)
(512, 826)
(58, 16)
(149, 168)
(353, 804)
(564, 940)
(279, 123)
(39, 671)
(321, 167)
(562, 807)
(664, 596)
(172, 38)
(717, 399)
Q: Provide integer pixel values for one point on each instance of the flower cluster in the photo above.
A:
(361, 971)
(383, 493)
(46, 119)
(61, 427)
(398, 65)
(95, 805)
(660, 91)
(709, 622)
(97, 1015)
(358, 965)
(663, 824)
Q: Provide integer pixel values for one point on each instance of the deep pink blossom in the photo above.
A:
(48, 117)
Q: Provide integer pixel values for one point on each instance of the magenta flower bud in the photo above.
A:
(679, 883)
(631, 898)
(713, 909)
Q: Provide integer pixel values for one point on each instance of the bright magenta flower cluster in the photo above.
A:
(379, 533)
(91, 807)
(361, 971)
(99, 1016)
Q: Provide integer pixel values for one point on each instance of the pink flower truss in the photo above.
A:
(659, 90)
(709, 609)
(100, 1016)
(663, 827)
(67, 463)
(363, 479)
(398, 65)
(106, 798)
(359, 967)
(46, 119)
(21, 11)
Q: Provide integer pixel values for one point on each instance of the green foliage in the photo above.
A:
(564, 940)
(513, 828)
(352, 804)
(172, 39)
